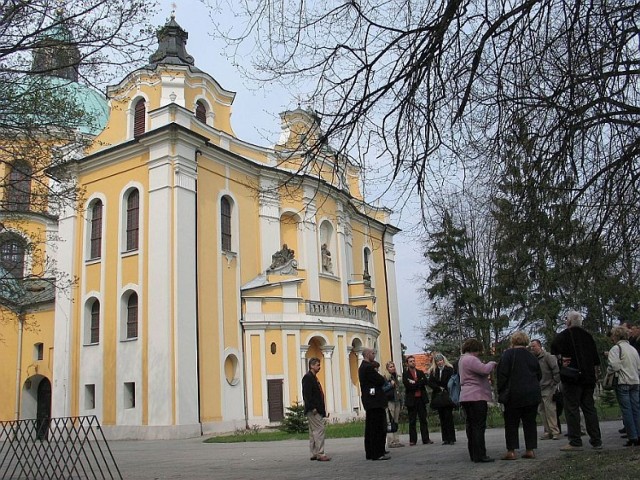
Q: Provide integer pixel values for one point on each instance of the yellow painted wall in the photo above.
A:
(275, 363)
(292, 362)
(38, 328)
(330, 290)
(257, 384)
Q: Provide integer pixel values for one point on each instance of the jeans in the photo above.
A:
(629, 401)
(580, 397)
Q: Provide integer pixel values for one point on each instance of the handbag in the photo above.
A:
(557, 395)
(571, 374)
(441, 400)
(392, 425)
(610, 381)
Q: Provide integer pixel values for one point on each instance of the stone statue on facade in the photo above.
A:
(283, 261)
(327, 265)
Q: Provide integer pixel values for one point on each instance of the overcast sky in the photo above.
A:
(256, 119)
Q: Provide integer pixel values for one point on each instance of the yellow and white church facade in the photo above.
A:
(207, 270)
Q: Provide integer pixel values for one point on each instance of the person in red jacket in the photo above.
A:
(416, 399)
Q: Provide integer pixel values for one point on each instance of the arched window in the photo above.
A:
(12, 256)
(132, 316)
(133, 225)
(201, 111)
(139, 118)
(96, 230)
(225, 224)
(95, 323)
(19, 187)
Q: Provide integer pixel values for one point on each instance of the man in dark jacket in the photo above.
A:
(315, 410)
(374, 402)
(416, 399)
(578, 350)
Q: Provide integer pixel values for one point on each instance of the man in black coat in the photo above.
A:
(315, 410)
(578, 350)
(374, 402)
(416, 399)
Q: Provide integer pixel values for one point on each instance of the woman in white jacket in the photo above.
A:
(624, 360)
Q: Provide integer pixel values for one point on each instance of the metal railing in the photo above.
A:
(55, 448)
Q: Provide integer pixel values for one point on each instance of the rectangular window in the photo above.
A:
(89, 397)
(129, 395)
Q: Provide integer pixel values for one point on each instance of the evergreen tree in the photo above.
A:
(295, 421)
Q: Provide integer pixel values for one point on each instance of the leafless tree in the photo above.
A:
(435, 87)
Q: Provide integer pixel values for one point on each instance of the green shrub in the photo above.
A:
(295, 421)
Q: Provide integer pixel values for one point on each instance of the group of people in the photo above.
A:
(528, 378)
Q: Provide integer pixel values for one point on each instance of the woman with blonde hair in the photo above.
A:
(438, 377)
(519, 377)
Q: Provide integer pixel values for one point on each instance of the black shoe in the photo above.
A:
(624, 436)
(630, 443)
(485, 460)
(622, 430)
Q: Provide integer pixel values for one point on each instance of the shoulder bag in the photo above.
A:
(610, 381)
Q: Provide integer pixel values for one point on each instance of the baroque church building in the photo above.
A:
(207, 270)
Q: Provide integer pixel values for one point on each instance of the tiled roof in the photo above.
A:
(423, 360)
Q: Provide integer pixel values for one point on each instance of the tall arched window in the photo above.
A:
(18, 193)
(132, 316)
(225, 224)
(96, 230)
(133, 224)
(95, 322)
(12, 256)
(201, 111)
(139, 118)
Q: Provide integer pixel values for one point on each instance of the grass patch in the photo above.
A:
(350, 429)
(355, 428)
(590, 465)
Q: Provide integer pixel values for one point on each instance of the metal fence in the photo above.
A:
(55, 448)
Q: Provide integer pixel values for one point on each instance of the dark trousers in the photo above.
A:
(512, 417)
(446, 424)
(476, 413)
(375, 433)
(419, 409)
(577, 397)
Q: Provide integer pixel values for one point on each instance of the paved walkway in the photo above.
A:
(193, 459)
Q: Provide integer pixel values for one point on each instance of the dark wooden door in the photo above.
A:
(43, 414)
(275, 400)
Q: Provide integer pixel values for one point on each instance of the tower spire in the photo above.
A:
(172, 41)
